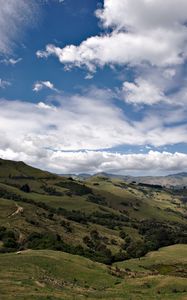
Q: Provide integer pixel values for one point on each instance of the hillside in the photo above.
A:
(9, 169)
(39, 275)
(105, 220)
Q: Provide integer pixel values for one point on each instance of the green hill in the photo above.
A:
(9, 169)
(105, 220)
(45, 274)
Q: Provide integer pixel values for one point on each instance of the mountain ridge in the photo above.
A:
(19, 168)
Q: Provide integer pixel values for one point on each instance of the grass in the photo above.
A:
(52, 271)
(172, 255)
(48, 274)
(10, 169)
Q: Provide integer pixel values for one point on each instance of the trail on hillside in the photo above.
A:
(18, 210)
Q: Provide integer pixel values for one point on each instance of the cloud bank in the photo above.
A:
(152, 163)
(74, 135)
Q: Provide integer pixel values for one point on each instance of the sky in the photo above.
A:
(94, 86)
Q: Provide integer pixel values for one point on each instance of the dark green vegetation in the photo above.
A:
(105, 220)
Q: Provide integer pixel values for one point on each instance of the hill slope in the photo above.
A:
(13, 169)
(103, 219)
(39, 275)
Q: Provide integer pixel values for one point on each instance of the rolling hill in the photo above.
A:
(46, 274)
(98, 224)
(173, 180)
(178, 180)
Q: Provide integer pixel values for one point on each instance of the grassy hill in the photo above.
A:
(100, 219)
(13, 169)
(43, 274)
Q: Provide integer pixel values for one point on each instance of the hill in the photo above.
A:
(100, 219)
(12, 169)
(39, 275)
(178, 180)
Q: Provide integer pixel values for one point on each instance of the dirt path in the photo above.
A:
(18, 210)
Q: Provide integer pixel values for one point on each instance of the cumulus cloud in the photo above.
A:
(43, 105)
(93, 162)
(137, 34)
(153, 86)
(153, 162)
(142, 31)
(15, 17)
(143, 92)
(142, 14)
(116, 48)
(40, 85)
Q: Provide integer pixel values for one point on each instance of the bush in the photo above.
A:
(75, 188)
(25, 188)
(10, 243)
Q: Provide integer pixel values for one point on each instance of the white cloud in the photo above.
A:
(116, 48)
(15, 17)
(43, 105)
(11, 61)
(93, 162)
(155, 86)
(153, 162)
(143, 92)
(89, 76)
(143, 31)
(143, 35)
(4, 83)
(40, 85)
(40, 134)
(91, 122)
(143, 14)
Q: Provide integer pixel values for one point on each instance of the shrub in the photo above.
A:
(25, 188)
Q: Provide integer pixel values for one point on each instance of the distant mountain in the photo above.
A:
(179, 179)
(81, 176)
(10, 169)
(183, 174)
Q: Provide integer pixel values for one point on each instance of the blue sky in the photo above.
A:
(91, 86)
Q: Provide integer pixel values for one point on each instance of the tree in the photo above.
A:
(25, 188)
